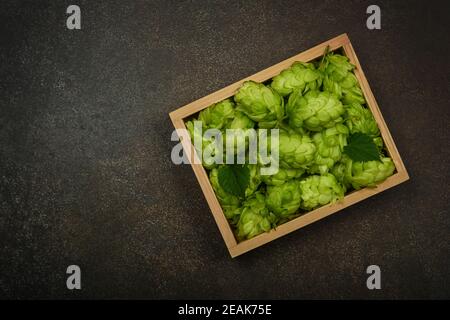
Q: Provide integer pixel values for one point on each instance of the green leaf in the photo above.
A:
(361, 147)
(234, 179)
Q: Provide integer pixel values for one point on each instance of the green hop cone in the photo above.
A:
(317, 191)
(378, 142)
(314, 111)
(255, 179)
(284, 200)
(370, 173)
(339, 78)
(300, 76)
(340, 172)
(253, 184)
(241, 121)
(255, 218)
(208, 146)
(240, 133)
(218, 115)
(353, 94)
(296, 151)
(260, 103)
(336, 66)
(282, 176)
(360, 119)
(330, 145)
(229, 203)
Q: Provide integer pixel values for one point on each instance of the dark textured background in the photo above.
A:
(85, 170)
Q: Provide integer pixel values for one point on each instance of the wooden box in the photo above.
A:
(400, 175)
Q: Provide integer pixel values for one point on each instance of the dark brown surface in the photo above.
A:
(85, 170)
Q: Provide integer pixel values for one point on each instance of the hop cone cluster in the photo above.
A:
(319, 126)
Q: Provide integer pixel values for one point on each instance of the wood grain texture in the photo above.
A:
(235, 248)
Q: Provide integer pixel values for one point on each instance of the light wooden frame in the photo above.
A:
(178, 116)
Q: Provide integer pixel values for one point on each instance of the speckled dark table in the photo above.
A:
(85, 170)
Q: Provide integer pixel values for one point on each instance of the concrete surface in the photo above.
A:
(85, 170)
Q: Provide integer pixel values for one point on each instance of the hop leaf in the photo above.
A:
(234, 179)
(361, 147)
(360, 119)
